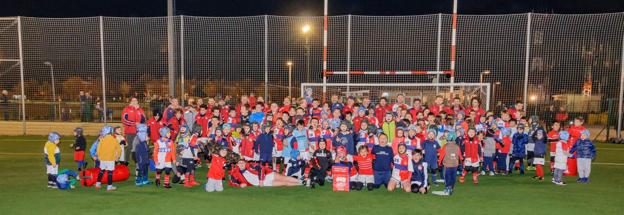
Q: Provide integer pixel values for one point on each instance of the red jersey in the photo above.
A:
(216, 170)
(236, 178)
(247, 146)
(154, 127)
(553, 138)
(164, 151)
(380, 113)
(130, 117)
(203, 122)
(472, 149)
(402, 166)
(505, 148)
(365, 164)
(278, 138)
(174, 125)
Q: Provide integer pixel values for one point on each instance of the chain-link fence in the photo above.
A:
(85, 69)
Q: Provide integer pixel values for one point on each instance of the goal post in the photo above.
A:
(424, 91)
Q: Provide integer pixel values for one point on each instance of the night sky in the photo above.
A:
(81, 8)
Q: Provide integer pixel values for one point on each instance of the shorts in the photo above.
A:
(277, 154)
(107, 165)
(467, 163)
(253, 179)
(366, 179)
(214, 185)
(79, 155)
(538, 161)
(122, 158)
(52, 169)
(162, 165)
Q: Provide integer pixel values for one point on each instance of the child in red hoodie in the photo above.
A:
(216, 172)
(502, 151)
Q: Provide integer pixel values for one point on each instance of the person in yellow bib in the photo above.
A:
(52, 157)
(108, 151)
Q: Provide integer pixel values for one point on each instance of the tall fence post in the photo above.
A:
(102, 64)
(182, 58)
(266, 58)
(170, 48)
(526, 60)
(438, 52)
(619, 125)
(349, 54)
(21, 62)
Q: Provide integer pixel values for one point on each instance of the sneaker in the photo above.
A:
(157, 182)
(492, 174)
(110, 188)
(534, 177)
(540, 179)
(560, 183)
(54, 187)
(586, 180)
(579, 180)
(98, 185)
(439, 181)
(482, 172)
(167, 186)
(461, 179)
(441, 193)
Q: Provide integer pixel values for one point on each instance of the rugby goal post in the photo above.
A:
(424, 91)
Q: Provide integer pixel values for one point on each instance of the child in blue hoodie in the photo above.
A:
(518, 142)
(431, 147)
(585, 153)
(142, 155)
(264, 144)
(539, 152)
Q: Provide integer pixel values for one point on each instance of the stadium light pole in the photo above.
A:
(305, 30)
(53, 88)
(289, 64)
(485, 72)
(533, 99)
(494, 91)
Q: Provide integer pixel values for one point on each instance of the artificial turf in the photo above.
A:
(23, 191)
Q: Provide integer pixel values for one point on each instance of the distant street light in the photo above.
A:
(305, 29)
(53, 88)
(533, 99)
(289, 64)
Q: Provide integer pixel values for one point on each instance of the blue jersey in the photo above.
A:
(383, 158)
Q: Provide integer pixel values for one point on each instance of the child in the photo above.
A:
(52, 155)
(320, 163)
(400, 171)
(66, 179)
(553, 138)
(345, 138)
(163, 155)
(450, 158)
(431, 147)
(364, 165)
(502, 150)
(539, 151)
(118, 134)
(342, 158)
(472, 153)
(264, 143)
(519, 141)
(108, 151)
(419, 169)
(585, 153)
(79, 149)
(560, 157)
(382, 165)
(188, 154)
(142, 155)
(216, 172)
(489, 149)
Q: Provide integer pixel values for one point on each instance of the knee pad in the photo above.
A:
(352, 185)
(359, 185)
(370, 186)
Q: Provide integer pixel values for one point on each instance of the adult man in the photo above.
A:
(131, 116)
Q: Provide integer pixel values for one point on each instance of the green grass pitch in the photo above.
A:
(23, 191)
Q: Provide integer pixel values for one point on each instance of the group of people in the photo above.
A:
(395, 145)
